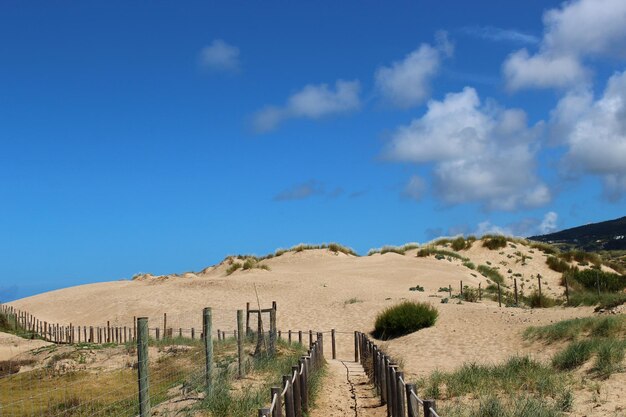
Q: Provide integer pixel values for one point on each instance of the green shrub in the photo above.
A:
(469, 265)
(545, 248)
(459, 244)
(557, 264)
(594, 279)
(581, 257)
(609, 357)
(235, 266)
(574, 355)
(494, 242)
(404, 318)
(391, 249)
(442, 253)
(491, 273)
(470, 294)
(534, 300)
(417, 288)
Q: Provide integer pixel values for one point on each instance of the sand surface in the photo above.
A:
(11, 346)
(321, 290)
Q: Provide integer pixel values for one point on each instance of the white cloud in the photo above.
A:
(549, 223)
(415, 188)
(487, 228)
(578, 30)
(542, 70)
(500, 35)
(312, 102)
(220, 56)
(406, 83)
(595, 134)
(480, 153)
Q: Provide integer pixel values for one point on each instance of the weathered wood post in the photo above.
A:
(273, 330)
(461, 290)
(539, 282)
(356, 346)
(332, 343)
(289, 407)
(108, 337)
(297, 396)
(142, 367)
(275, 391)
(410, 390)
(264, 412)
(450, 290)
(400, 394)
(289, 336)
(304, 386)
(499, 296)
(248, 329)
(207, 330)
(164, 325)
(428, 404)
(310, 338)
(566, 288)
(240, 342)
(480, 292)
(300, 336)
(515, 286)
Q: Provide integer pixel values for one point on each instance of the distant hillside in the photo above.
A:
(608, 235)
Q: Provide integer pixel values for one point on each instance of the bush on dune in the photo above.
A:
(404, 318)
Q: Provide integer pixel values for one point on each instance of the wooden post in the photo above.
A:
(289, 408)
(450, 290)
(164, 325)
(142, 367)
(193, 333)
(539, 281)
(208, 347)
(300, 336)
(411, 411)
(310, 338)
(332, 343)
(274, 391)
(480, 292)
(356, 346)
(499, 296)
(461, 289)
(240, 342)
(108, 336)
(566, 289)
(304, 386)
(248, 329)
(515, 286)
(273, 330)
(297, 398)
(400, 394)
(289, 336)
(428, 404)
(158, 333)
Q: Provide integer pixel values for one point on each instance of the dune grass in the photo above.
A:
(404, 318)
(520, 386)
(431, 250)
(491, 273)
(494, 242)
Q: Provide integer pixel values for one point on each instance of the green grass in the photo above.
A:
(232, 268)
(494, 242)
(352, 300)
(404, 318)
(491, 273)
(431, 250)
(469, 265)
(592, 279)
(10, 324)
(545, 248)
(557, 264)
(603, 337)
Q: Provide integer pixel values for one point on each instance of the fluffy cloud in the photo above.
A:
(480, 153)
(549, 223)
(406, 83)
(220, 56)
(595, 134)
(312, 102)
(577, 30)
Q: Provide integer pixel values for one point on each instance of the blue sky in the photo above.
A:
(156, 137)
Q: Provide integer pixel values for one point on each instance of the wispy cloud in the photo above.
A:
(495, 34)
(300, 191)
(220, 56)
(312, 102)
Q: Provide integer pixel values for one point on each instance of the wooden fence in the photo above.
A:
(400, 397)
(292, 399)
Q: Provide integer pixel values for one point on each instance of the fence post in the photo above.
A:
(332, 343)
(273, 331)
(240, 341)
(289, 412)
(515, 286)
(356, 346)
(278, 408)
(300, 336)
(480, 292)
(539, 282)
(411, 411)
(208, 346)
(310, 338)
(461, 292)
(566, 289)
(164, 325)
(499, 296)
(304, 386)
(400, 394)
(450, 290)
(428, 404)
(297, 398)
(142, 367)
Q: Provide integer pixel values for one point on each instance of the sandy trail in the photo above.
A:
(347, 392)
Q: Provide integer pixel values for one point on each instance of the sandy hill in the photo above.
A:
(322, 289)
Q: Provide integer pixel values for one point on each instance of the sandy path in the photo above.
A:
(347, 392)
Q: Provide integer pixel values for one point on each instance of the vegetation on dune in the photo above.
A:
(401, 250)
(431, 250)
(519, 387)
(404, 318)
(494, 242)
(558, 265)
(602, 338)
(491, 273)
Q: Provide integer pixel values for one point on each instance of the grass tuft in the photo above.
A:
(404, 318)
